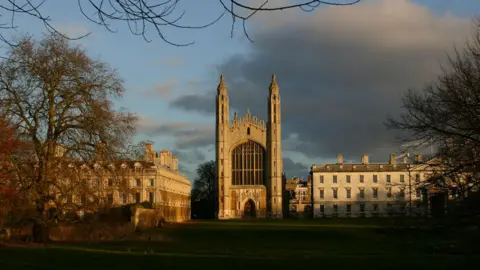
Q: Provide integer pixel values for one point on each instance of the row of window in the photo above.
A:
(138, 182)
(388, 179)
(361, 193)
(348, 208)
(124, 199)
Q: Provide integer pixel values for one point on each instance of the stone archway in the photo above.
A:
(249, 210)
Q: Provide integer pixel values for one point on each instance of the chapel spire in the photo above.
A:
(273, 85)
(222, 87)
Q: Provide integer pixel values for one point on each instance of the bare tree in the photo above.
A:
(202, 196)
(446, 113)
(135, 151)
(60, 101)
(142, 16)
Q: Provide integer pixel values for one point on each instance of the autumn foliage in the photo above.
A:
(8, 145)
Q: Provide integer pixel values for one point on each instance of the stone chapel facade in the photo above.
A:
(249, 159)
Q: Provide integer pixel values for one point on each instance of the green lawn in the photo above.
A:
(322, 244)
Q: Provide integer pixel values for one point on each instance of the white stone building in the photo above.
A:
(368, 189)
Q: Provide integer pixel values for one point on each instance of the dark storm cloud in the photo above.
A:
(292, 168)
(340, 72)
(193, 156)
(187, 135)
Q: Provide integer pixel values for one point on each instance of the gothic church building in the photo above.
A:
(249, 160)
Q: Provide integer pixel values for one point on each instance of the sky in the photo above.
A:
(341, 71)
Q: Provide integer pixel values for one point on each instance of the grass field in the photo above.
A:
(322, 244)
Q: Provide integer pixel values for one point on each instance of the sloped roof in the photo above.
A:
(354, 167)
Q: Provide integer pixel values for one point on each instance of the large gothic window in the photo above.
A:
(248, 164)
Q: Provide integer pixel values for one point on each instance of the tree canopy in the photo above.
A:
(60, 102)
(446, 113)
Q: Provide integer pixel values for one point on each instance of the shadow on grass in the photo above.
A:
(66, 258)
(329, 244)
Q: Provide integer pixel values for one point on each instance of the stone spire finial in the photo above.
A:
(235, 116)
(222, 87)
(273, 84)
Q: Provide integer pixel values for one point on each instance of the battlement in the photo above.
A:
(247, 119)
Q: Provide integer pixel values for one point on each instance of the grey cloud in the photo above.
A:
(187, 135)
(194, 156)
(187, 171)
(175, 61)
(292, 168)
(340, 72)
(193, 102)
(164, 89)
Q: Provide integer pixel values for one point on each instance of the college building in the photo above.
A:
(372, 189)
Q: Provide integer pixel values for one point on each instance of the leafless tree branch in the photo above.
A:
(142, 15)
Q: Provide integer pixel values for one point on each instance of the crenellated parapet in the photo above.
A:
(247, 120)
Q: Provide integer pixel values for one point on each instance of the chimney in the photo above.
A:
(175, 163)
(59, 151)
(163, 157)
(169, 159)
(149, 153)
(340, 159)
(364, 159)
(392, 159)
(418, 158)
(405, 159)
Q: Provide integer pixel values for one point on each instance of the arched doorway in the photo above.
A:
(249, 209)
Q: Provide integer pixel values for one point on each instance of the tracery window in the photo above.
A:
(248, 163)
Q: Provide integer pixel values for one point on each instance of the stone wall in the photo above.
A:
(144, 218)
(90, 232)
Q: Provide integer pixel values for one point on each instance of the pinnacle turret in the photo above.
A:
(222, 87)
(273, 85)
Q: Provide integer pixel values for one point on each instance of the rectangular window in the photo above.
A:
(361, 178)
(138, 182)
(389, 192)
(375, 207)
(362, 208)
(348, 179)
(402, 178)
(419, 193)
(110, 182)
(322, 208)
(334, 179)
(321, 179)
(322, 194)
(152, 182)
(335, 208)
(349, 208)
(110, 199)
(402, 208)
(137, 197)
(362, 193)
(417, 179)
(151, 197)
(349, 193)
(375, 178)
(375, 193)
(389, 178)
(401, 194)
(335, 193)
(124, 198)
